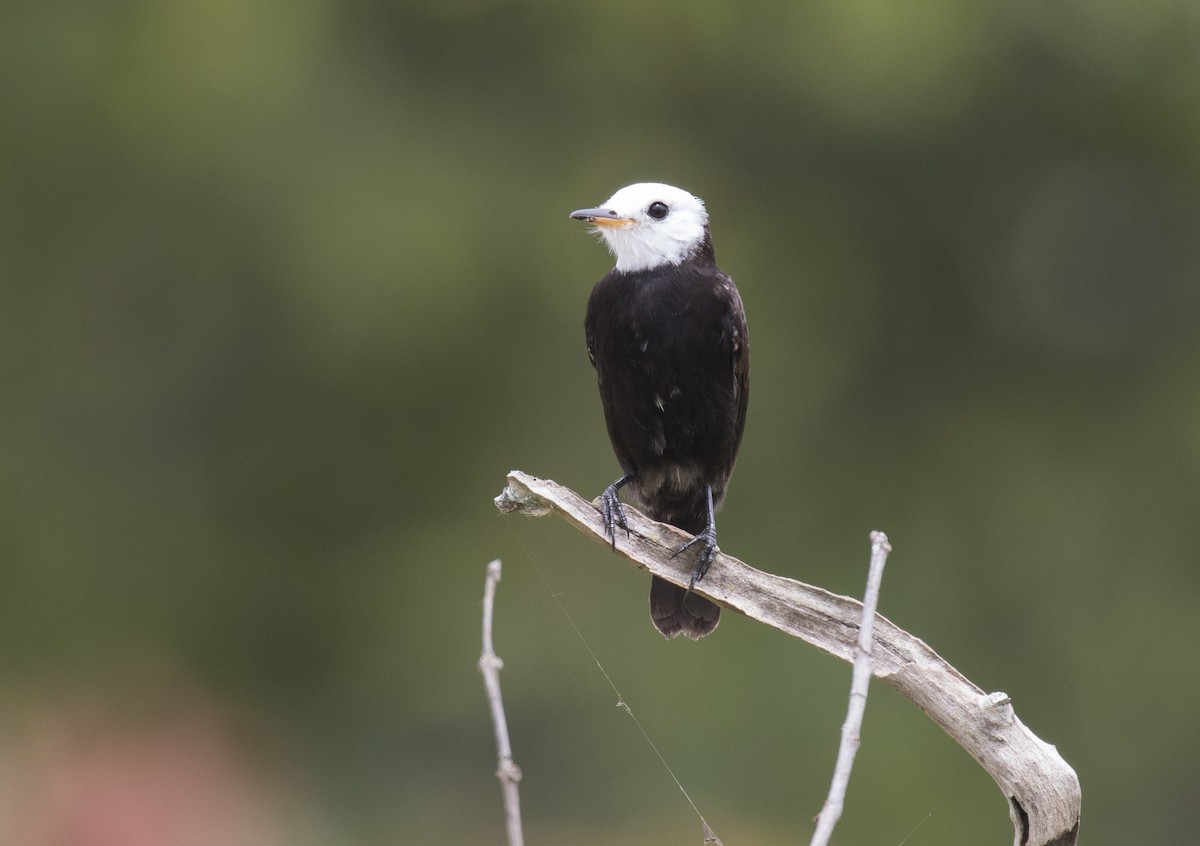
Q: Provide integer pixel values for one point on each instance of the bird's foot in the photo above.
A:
(613, 512)
(708, 551)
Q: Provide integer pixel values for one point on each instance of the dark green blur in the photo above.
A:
(287, 288)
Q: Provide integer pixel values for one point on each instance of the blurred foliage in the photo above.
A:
(288, 287)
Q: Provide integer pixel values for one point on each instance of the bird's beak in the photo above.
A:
(602, 217)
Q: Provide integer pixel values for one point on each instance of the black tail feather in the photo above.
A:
(677, 611)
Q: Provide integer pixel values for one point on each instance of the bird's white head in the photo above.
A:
(648, 224)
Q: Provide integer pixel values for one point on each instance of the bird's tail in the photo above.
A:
(675, 611)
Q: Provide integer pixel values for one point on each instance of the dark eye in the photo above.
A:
(658, 210)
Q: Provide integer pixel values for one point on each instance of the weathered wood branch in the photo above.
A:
(1041, 788)
(860, 682)
(490, 665)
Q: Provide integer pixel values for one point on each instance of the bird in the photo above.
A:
(666, 334)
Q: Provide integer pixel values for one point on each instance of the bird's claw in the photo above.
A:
(708, 552)
(613, 513)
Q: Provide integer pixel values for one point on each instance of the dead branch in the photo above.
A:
(490, 664)
(1041, 788)
(831, 812)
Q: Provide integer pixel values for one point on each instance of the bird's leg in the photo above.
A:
(611, 510)
(707, 537)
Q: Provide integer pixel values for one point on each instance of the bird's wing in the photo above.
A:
(589, 330)
(740, 350)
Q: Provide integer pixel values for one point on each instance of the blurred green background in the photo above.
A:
(287, 288)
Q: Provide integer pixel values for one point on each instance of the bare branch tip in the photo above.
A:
(881, 540)
(517, 497)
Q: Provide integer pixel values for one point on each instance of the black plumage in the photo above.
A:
(670, 348)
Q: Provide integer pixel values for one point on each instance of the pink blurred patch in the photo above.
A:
(91, 777)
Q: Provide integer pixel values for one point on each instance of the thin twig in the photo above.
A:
(1041, 789)
(860, 681)
(490, 664)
